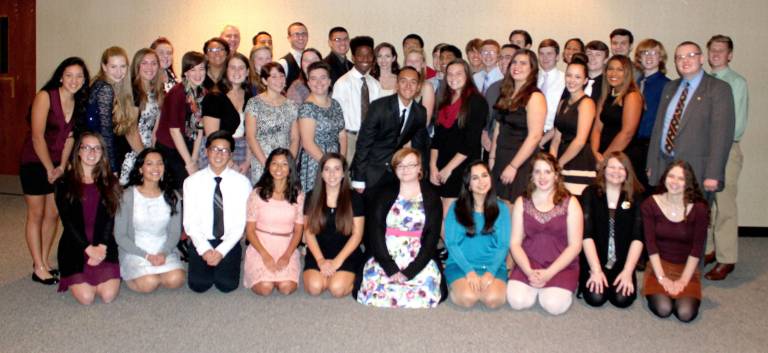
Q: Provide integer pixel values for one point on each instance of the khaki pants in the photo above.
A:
(351, 147)
(724, 235)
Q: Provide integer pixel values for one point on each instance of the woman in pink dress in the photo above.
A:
(275, 223)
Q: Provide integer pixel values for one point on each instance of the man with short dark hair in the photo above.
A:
(412, 41)
(621, 42)
(393, 121)
(551, 82)
(298, 36)
(338, 40)
(722, 243)
(695, 122)
(262, 38)
(215, 201)
(356, 89)
(521, 38)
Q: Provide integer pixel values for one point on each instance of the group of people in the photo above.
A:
(496, 179)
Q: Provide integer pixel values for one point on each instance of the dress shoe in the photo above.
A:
(47, 282)
(720, 272)
(54, 272)
(709, 258)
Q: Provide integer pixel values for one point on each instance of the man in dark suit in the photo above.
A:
(338, 40)
(695, 122)
(392, 122)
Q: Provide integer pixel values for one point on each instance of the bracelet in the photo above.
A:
(510, 164)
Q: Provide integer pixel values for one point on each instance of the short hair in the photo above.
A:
(622, 32)
(221, 135)
(411, 68)
(253, 40)
(473, 45)
(416, 37)
(295, 24)
(360, 41)
(720, 38)
(437, 48)
(217, 40)
(524, 33)
(510, 46)
(550, 43)
(230, 26)
(318, 65)
(491, 42)
(688, 42)
(451, 48)
(647, 44)
(400, 155)
(190, 60)
(267, 68)
(597, 45)
(336, 29)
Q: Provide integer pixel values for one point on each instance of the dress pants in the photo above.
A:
(351, 146)
(225, 276)
(724, 235)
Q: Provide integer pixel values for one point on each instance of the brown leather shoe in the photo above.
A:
(709, 258)
(720, 272)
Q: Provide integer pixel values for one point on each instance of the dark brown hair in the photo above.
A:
(627, 86)
(465, 204)
(692, 193)
(560, 192)
(105, 181)
(510, 101)
(467, 92)
(318, 206)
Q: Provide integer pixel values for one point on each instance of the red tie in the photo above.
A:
(669, 143)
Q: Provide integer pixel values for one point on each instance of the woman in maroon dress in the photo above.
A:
(547, 227)
(675, 224)
(87, 197)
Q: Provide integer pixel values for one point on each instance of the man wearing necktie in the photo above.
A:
(392, 122)
(215, 200)
(694, 122)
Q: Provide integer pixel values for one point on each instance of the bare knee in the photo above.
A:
(108, 290)
(464, 297)
(145, 284)
(339, 289)
(494, 299)
(263, 288)
(85, 297)
(173, 279)
(286, 287)
(313, 284)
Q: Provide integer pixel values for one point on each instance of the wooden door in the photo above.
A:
(17, 78)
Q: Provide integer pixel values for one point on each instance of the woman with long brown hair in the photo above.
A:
(334, 218)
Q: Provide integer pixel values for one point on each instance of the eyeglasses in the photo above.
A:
(340, 39)
(649, 53)
(89, 149)
(215, 50)
(217, 149)
(407, 166)
(488, 52)
(690, 55)
(299, 34)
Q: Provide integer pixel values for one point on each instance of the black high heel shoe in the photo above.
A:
(47, 282)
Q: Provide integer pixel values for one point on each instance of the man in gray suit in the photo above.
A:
(695, 122)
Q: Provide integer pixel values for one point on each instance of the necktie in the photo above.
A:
(669, 142)
(364, 100)
(611, 242)
(642, 84)
(588, 89)
(218, 210)
(485, 83)
(543, 87)
(402, 120)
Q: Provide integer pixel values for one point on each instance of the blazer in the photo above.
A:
(338, 68)
(705, 133)
(125, 236)
(380, 137)
(377, 208)
(71, 253)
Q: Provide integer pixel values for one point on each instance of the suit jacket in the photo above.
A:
(705, 133)
(71, 253)
(380, 137)
(338, 68)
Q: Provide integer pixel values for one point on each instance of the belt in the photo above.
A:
(273, 233)
(351, 132)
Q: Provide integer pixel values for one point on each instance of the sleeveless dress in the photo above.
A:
(405, 222)
(546, 236)
(513, 129)
(331, 241)
(273, 128)
(329, 122)
(150, 219)
(579, 172)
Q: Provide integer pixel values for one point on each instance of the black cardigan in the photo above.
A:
(71, 254)
(378, 204)
(628, 227)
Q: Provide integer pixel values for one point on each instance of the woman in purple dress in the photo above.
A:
(547, 227)
(87, 197)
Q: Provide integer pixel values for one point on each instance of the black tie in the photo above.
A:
(218, 210)
(402, 120)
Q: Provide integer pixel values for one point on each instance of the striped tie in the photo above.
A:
(218, 210)
(669, 143)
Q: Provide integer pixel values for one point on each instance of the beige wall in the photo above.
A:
(85, 28)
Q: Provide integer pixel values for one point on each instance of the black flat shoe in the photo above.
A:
(54, 272)
(47, 282)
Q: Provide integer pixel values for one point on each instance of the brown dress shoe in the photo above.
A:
(720, 272)
(709, 258)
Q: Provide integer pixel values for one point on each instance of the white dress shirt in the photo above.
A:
(296, 56)
(480, 78)
(347, 92)
(552, 84)
(198, 208)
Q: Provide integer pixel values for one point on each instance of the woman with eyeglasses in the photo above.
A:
(216, 50)
(403, 226)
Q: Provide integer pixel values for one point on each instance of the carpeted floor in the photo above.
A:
(37, 319)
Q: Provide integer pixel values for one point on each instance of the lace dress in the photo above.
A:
(273, 128)
(328, 124)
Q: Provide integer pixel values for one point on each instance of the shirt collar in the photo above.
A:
(721, 73)
(401, 106)
(694, 82)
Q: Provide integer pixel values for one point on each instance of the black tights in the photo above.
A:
(609, 294)
(685, 309)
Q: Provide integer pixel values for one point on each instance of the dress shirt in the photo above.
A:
(740, 98)
(554, 83)
(198, 210)
(347, 92)
(493, 76)
(407, 108)
(693, 85)
(296, 56)
(652, 89)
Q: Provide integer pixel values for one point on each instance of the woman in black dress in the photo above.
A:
(521, 111)
(334, 230)
(573, 123)
(460, 120)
